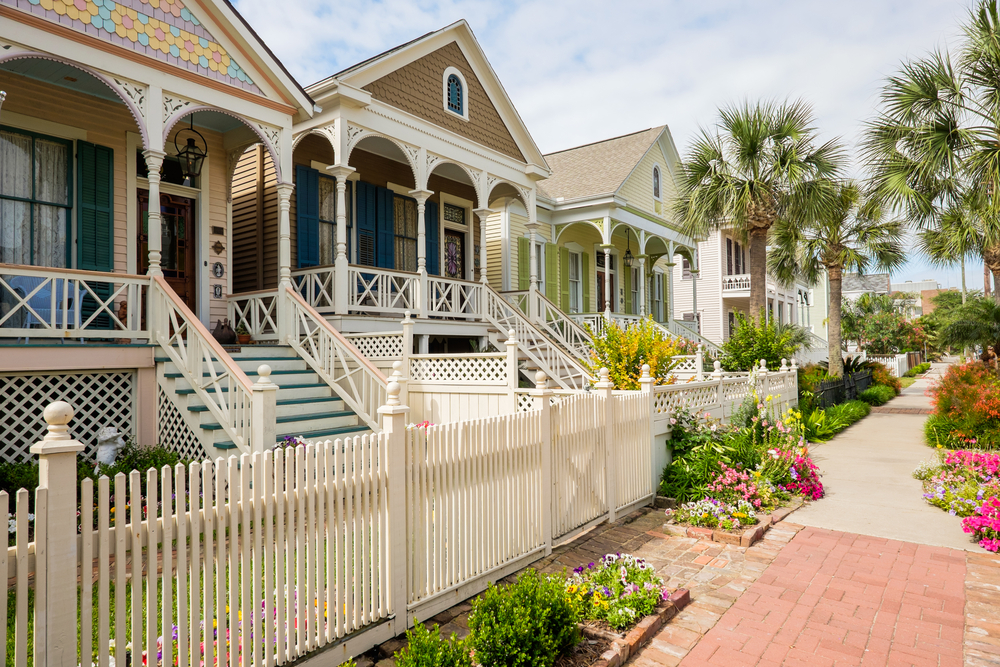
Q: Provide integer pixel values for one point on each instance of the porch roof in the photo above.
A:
(597, 168)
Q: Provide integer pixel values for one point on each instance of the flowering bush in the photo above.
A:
(712, 513)
(619, 590)
(967, 484)
(882, 376)
(966, 408)
(624, 349)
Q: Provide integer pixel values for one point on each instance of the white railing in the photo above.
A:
(596, 321)
(382, 291)
(721, 395)
(518, 299)
(257, 312)
(558, 364)
(378, 346)
(563, 329)
(737, 282)
(678, 328)
(316, 285)
(897, 364)
(336, 360)
(217, 381)
(63, 303)
(466, 369)
(448, 297)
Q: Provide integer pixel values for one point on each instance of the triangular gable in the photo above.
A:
(410, 78)
(204, 37)
(637, 188)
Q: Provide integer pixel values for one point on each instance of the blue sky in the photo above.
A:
(584, 70)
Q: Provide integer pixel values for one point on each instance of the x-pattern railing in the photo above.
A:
(337, 361)
(453, 298)
(316, 286)
(567, 333)
(381, 291)
(257, 312)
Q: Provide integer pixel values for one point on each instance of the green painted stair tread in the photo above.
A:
(175, 376)
(306, 385)
(291, 419)
(325, 434)
(235, 357)
(287, 401)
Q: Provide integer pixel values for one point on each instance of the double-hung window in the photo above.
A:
(327, 220)
(36, 198)
(540, 265)
(575, 283)
(636, 277)
(405, 221)
(656, 288)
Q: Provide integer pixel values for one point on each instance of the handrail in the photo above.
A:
(564, 329)
(195, 352)
(337, 361)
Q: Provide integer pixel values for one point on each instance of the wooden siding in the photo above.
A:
(638, 188)
(255, 222)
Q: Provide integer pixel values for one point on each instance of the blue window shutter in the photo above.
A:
(366, 223)
(385, 228)
(307, 215)
(350, 209)
(431, 231)
(95, 222)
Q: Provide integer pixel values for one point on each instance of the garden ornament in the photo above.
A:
(109, 443)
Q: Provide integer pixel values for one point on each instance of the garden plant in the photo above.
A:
(623, 349)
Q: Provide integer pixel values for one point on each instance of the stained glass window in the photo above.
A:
(454, 254)
(454, 213)
(455, 95)
(656, 182)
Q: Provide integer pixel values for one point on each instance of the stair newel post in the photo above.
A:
(699, 364)
(718, 376)
(512, 376)
(400, 378)
(605, 388)
(543, 403)
(646, 384)
(394, 431)
(263, 411)
(407, 343)
(56, 565)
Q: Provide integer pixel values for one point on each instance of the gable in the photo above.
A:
(165, 30)
(417, 88)
(638, 187)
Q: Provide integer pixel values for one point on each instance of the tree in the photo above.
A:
(848, 235)
(760, 165)
(756, 340)
(960, 235)
(946, 305)
(877, 325)
(975, 323)
(934, 140)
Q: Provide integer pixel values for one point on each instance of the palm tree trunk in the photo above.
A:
(996, 284)
(758, 273)
(991, 259)
(964, 295)
(835, 275)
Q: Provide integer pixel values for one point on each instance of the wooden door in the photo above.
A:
(454, 254)
(178, 243)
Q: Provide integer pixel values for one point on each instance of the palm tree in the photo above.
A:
(974, 323)
(936, 138)
(848, 235)
(961, 234)
(760, 165)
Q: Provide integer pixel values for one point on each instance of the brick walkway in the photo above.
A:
(832, 598)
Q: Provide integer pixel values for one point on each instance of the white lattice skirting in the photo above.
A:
(173, 432)
(98, 399)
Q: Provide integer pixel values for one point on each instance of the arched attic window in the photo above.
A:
(656, 182)
(455, 93)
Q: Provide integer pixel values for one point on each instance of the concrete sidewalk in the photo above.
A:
(869, 486)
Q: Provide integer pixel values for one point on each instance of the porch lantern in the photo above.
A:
(191, 156)
(628, 259)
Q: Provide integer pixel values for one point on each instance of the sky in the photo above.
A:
(583, 71)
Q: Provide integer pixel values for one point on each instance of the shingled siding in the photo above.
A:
(418, 88)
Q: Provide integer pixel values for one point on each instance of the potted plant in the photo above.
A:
(242, 335)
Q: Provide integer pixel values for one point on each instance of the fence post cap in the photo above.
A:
(784, 364)
(397, 368)
(511, 335)
(645, 371)
(795, 364)
(57, 440)
(541, 380)
(763, 364)
(406, 317)
(264, 374)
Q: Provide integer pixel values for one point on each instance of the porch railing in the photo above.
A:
(560, 326)
(257, 312)
(737, 282)
(449, 297)
(336, 360)
(38, 302)
(316, 285)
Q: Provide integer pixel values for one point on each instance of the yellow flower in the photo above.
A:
(572, 589)
(769, 397)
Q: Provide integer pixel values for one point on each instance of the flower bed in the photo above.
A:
(619, 590)
(966, 408)
(966, 484)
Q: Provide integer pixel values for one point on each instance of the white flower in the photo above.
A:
(715, 427)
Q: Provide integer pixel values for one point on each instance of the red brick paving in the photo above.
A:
(831, 599)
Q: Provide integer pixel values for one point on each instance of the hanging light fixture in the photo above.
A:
(628, 252)
(192, 156)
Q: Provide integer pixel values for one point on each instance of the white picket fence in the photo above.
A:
(897, 364)
(335, 545)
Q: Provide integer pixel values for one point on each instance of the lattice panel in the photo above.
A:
(173, 432)
(379, 347)
(98, 400)
(686, 398)
(525, 403)
(735, 391)
(459, 369)
(688, 363)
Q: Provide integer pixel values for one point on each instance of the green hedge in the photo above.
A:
(877, 395)
(919, 369)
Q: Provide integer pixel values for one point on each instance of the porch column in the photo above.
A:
(284, 259)
(154, 160)
(482, 214)
(533, 261)
(341, 262)
(694, 298)
(607, 280)
(642, 286)
(668, 298)
(421, 196)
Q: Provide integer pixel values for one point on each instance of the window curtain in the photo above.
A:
(15, 181)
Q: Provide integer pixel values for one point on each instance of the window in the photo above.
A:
(656, 182)
(686, 269)
(656, 290)
(405, 221)
(575, 283)
(635, 290)
(35, 199)
(455, 102)
(327, 220)
(540, 265)
(729, 257)
(739, 257)
(455, 214)
(732, 323)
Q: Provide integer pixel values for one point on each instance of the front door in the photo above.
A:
(600, 291)
(454, 254)
(177, 244)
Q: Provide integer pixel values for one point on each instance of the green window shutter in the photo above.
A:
(523, 261)
(564, 279)
(551, 271)
(627, 271)
(95, 217)
(585, 281)
(666, 300)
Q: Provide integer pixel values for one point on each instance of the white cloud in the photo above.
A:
(584, 70)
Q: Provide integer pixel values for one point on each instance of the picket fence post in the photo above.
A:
(646, 384)
(394, 431)
(407, 344)
(606, 388)
(512, 370)
(543, 402)
(699, 364)
(263, 411)
(55, 575)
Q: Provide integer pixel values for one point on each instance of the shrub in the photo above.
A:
(849, 412)
(525, 624)
(877, 395)
(966, 408)
(425, 648)
(882, 376)
(712, 513)
(753, 341)
(919, 369)
(619, 590)
(624, 349)
(965, 484)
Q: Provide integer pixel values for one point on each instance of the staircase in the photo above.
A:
(306, 406)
